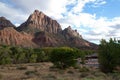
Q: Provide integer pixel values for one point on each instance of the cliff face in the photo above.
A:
(41, 31)
(9, 36)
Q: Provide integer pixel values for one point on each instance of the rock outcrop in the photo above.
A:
(38, 21)
(69, 33)
(5, 23)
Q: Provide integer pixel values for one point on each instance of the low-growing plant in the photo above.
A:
(50, 77)
(31, 73)
(83, 69)
(70, 72)
(1, 76)
(84, 74)
(22, 67)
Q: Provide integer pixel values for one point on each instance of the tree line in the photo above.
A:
(63, 57)
(60, 56)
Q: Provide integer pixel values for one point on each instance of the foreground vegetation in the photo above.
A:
(109, 55)
(59, 63)
(16, 55)
(45, 71)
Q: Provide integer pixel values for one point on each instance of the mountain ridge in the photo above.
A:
(39, 30)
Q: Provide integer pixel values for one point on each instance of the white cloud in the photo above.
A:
(12, 14)
(92, 28)
(31, 5)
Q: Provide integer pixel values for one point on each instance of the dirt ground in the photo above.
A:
(43, 71)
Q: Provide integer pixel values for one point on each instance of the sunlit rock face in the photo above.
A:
(38, 21)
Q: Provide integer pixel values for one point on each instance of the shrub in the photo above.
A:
(1, 76)
(32, 73)
(109, 55)
(63, 57)
(22, 67)
(83, 69)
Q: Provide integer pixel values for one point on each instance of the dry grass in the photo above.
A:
(45, 71)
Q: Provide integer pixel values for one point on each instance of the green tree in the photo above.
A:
(17, 54)
(109, 55)
(33, 58)
(63, 57)
(5, 55)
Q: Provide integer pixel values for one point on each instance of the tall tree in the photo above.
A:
(109, 55)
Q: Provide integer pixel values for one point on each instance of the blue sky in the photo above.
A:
(110, 9)
(93, 19)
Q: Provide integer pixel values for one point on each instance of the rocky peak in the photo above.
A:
(5, 23)
(69, 28)
(38, 21)
(71, 33)
(37, 15)
(2, 18)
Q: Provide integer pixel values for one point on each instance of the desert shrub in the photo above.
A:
(22, 67)
(98, 74)
(83, 69)
(50, 77)
(33, 58)
(70, 72)
(31, 73)
(1, 76)
(42, 57)
(114, 76)
(84, 74)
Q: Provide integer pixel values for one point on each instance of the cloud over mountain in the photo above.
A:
(66, 12)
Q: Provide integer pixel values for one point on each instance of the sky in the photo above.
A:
(93, 19)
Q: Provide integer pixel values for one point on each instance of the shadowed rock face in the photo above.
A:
(41, 31)
(68, 33)
(5, 23)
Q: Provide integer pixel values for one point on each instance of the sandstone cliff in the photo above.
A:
(9, 36)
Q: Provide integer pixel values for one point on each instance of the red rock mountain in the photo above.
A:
(9, 36)
(38, 21)
(41, 31)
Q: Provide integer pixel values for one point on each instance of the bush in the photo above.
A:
(32, 73)
(1, 76)
(109, 55)
(22, 67)
(83, 69)
(63, 57)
